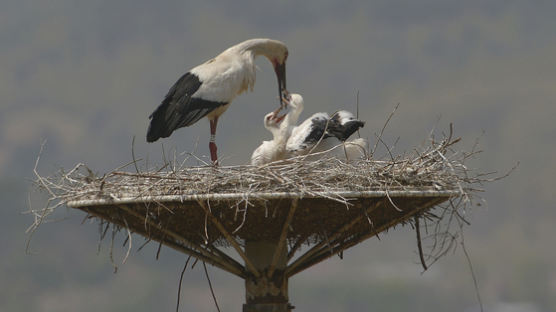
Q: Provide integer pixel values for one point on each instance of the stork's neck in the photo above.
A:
(252, 44)
(279, 135)
(296, 112)
(260, 46)
(276, 133)
(291, 119)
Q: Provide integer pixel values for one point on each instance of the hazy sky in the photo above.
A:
(85, 75)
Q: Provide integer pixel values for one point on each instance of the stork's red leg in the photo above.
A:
(212, 144)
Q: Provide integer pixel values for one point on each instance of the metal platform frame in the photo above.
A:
(201, 225)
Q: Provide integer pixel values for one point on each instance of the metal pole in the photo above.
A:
(263, 293)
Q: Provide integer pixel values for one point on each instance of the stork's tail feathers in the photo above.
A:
(152, 135)
(158, 127)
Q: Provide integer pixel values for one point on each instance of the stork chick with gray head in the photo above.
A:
(320, 132)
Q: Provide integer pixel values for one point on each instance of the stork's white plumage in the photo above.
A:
(208, 89)
(294, 102)
(320, 132)
(280, 127)
(355, 149)
(274, 149)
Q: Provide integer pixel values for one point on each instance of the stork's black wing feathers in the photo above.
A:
(317, 131)
(179, 108)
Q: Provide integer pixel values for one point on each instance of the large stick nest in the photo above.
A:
(252, 202)
(434, 168)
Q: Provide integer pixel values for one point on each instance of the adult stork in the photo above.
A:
(322, 132)
(208, 89)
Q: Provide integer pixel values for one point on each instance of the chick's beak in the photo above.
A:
(280, 118)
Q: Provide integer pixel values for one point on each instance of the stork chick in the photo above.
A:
(274, 149)
(322, 132)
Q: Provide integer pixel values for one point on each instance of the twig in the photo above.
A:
(133, 154)
(231, 240)
(392, 202)
(475, 283)
(38, 222)
(210, 285)
(129, 240)
(179, 285)
(419, 245)
(112, 249)
(357, 112)
(382, 130)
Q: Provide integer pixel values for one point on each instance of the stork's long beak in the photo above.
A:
(280, 70)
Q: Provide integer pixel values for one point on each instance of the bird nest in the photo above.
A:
(328, 203)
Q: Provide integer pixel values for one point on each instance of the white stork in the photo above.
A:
(208, 89)
(320, 132)
(275, 149)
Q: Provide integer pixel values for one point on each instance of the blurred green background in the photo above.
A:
(85, 75)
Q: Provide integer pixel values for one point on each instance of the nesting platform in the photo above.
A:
(282, 222)
(190, 222)
(267, 214)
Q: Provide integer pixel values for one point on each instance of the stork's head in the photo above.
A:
(272, 122)
(295, 101)
(344, 117)
(343, 124)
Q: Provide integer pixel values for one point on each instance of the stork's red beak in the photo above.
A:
(280, 70)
